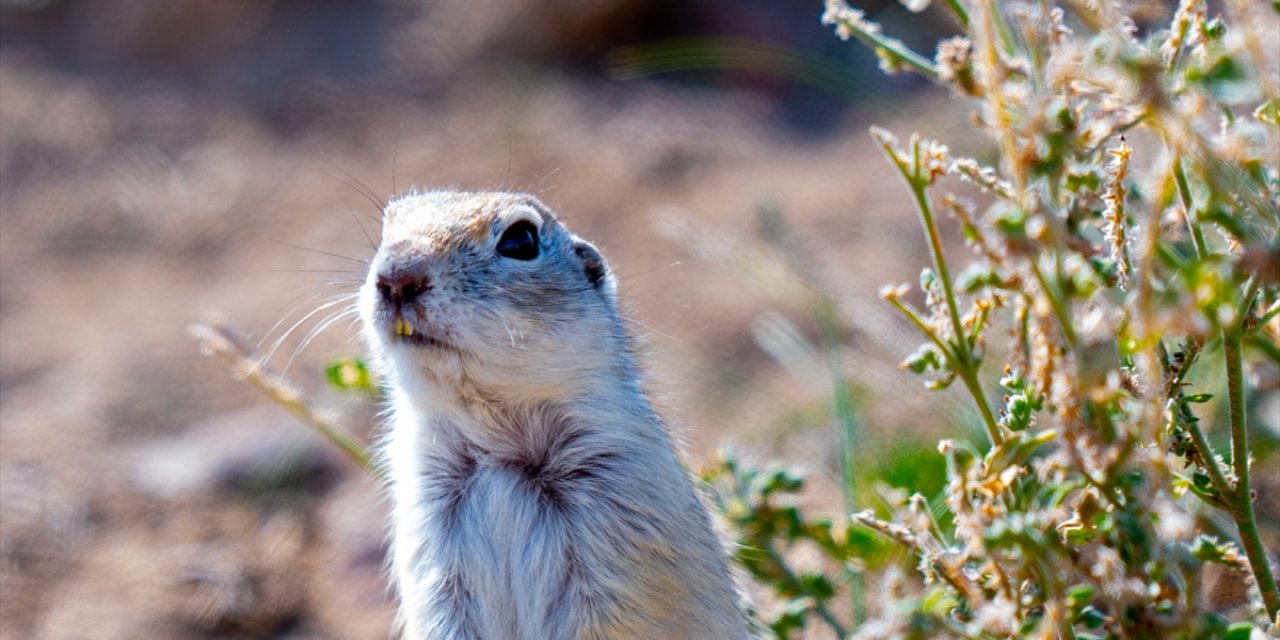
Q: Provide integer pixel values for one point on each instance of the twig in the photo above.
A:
(219, 339)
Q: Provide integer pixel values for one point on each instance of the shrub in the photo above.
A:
(1107, 276)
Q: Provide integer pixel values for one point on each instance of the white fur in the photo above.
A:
(536, 495)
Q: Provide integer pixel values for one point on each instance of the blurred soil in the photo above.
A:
(158, 167)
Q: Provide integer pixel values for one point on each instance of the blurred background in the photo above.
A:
(163, 162)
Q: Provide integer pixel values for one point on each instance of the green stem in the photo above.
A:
(961, 355)
(1059, 309)
(858, 592)
(1193, 220)
(1246, 304)
(894, 48)
(828, 328)
(848, 436)
(925, 329)
(1264, 318)
(1208, 459)
(958, 10)
(970, 380)
(963, 370)
(819, 607)
(1242, 499)
(940, 264)
(968, 364)
(1007, 41)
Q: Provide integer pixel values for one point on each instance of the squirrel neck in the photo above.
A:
(608, 404)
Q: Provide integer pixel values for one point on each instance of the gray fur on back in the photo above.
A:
(536, 495)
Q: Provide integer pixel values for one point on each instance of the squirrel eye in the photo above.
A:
(519, 241)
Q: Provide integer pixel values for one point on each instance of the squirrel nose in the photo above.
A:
(400, 288)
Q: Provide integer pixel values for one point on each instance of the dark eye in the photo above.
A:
(519, 241)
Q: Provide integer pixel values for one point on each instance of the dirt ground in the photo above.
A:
(145, 493)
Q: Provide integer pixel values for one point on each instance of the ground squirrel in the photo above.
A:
(536, 495)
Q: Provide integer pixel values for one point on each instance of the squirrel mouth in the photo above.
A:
(402, 327)
(403, 331)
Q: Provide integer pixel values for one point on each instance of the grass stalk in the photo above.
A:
(223, 341)
(829, 326)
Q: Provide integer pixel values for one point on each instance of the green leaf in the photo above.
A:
(1018, 449)
(790, 618)
(349, 374)
(926, 357)
(1079, 596)
(1227, 219)
(1240, 631)
(1227, 79)
(1269, 112)
(978, 275)
(1010, 222)
(1091, 618)
(928, 279)
(1087, 181)
(1215, 28)
(1207, 548)
(939, 601)
(783, 480)
(817, 585)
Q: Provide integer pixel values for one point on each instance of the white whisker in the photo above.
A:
(318, 329)
(275, 346)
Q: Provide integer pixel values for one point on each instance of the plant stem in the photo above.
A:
(1246, 304)
(1007, 41)
(970, 380)
(223, 341)
(1059, 310)
(940, 264)
(925, 329)
(1242, 500)
(858, 592)
(1193, 221)
(819, 607)
(958, 10)
(1264, 318)
(967, 366)
(959, 350)
(827, 323)
(894, 48)
(1208, 460)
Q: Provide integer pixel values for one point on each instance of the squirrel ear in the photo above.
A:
(595, 268)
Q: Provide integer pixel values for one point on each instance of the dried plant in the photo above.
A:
(1106, 272)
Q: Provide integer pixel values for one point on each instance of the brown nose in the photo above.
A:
(400, 287)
